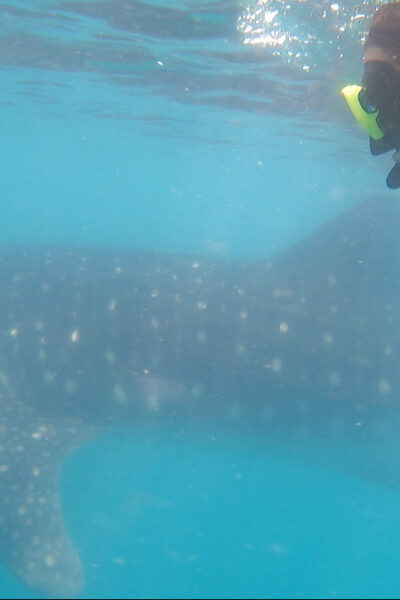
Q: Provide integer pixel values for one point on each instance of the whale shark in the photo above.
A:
(91, 338)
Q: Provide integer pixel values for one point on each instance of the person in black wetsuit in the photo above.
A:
(382, 82)
(376, 105)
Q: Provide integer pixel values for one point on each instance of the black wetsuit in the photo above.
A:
(383, 145)
(382, 84)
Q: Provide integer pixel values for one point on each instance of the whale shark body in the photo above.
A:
(89, 338)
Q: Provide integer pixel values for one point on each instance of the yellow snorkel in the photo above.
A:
(364, 113)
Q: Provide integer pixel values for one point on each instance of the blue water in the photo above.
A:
(113, 151)
(202, 517)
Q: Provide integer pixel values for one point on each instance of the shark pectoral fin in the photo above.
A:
(34, 542)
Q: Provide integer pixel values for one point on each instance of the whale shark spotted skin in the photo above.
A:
(93, 337)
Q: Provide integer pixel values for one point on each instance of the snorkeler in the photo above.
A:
(376, 105)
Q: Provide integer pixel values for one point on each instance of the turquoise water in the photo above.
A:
(167, 132)
(201, 517)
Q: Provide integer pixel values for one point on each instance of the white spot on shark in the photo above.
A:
(275, 365)
(71, 386)
(119, 394)
(4, 381)
(49, 377)
(42, 355)
(240, 349)
(153, 402)
(75, 336)
(384, 386)
(155, 322)
(334, 379)
(110, 356)
(332, 281)
(197, 390)
(50, 560)
(201, 337)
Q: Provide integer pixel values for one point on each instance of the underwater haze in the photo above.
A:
(215, 130)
